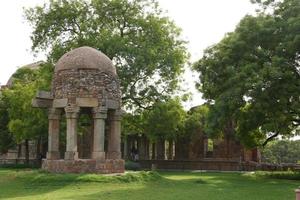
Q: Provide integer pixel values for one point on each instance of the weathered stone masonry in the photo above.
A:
(85, 80)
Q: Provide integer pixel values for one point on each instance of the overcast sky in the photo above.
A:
(203, 22)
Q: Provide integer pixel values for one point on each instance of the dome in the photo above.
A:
(85, 58)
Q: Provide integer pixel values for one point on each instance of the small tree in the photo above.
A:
(25, 122)
(165, 122)
(6, 138)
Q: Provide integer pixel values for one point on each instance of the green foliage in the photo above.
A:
(144, 45)
(165, 120)
(133, 124)
(26, 122)
(252, 77)
(6, 138)
(196, 120)
(281, 151)
(288, 175)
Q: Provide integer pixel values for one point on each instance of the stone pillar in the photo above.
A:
(99, 115)
(71, 117)
(114, 136)
(53, 134)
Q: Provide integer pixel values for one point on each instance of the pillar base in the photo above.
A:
(297, 194)
(114, 155)
(53, 155)
(107, 166)
(71, 155)
(98, 155)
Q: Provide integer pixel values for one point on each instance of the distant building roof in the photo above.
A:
(32, 66)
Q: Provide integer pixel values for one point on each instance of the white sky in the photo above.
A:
(204, 23)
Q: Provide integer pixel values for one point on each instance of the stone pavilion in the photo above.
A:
(85, 81)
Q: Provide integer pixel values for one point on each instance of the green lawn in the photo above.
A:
(34, 184)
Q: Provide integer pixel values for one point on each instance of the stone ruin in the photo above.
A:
(85, 82)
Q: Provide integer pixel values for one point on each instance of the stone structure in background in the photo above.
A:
(194, 152)
(85, 83)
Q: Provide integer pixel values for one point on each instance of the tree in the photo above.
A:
(281, 151)
(165, 121)
(196, 120)
(143, 44)
(251, 78)
(6, 139)
(26, 122)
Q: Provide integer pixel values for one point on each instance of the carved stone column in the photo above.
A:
(99, 115)
(53, 134)
(114, 136)
(71, 117)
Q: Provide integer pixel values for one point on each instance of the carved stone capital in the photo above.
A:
(72, 111)
(99, 112)
(54, 113)
(116, 115)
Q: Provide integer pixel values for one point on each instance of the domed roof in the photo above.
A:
(85, 58)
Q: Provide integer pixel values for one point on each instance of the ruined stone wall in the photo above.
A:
(85, 83)
(227, 149)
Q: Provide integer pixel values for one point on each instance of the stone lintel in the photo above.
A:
(112, 104)
(60, 103)
(41, 103)
(43, 95)
(87, 102)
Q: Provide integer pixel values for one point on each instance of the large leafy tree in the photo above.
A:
(281, 151)
(144, 44)
(252, 77)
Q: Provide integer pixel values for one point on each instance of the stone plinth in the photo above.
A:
(84, 166)
(297, 194)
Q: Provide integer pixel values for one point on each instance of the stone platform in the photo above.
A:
(107, 166)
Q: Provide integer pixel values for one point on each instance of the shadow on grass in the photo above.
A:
(35, 184)
(28, 182)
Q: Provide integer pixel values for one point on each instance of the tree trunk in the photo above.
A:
(153, 151)
(26, 152)
(170, 150)
(182, 149)
(143, 148)
(19, 150)
(160, 149)
(147, 148)
(38, 149)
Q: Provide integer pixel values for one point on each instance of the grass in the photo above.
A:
(34, 184)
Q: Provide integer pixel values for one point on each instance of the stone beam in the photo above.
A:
(41, 103)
